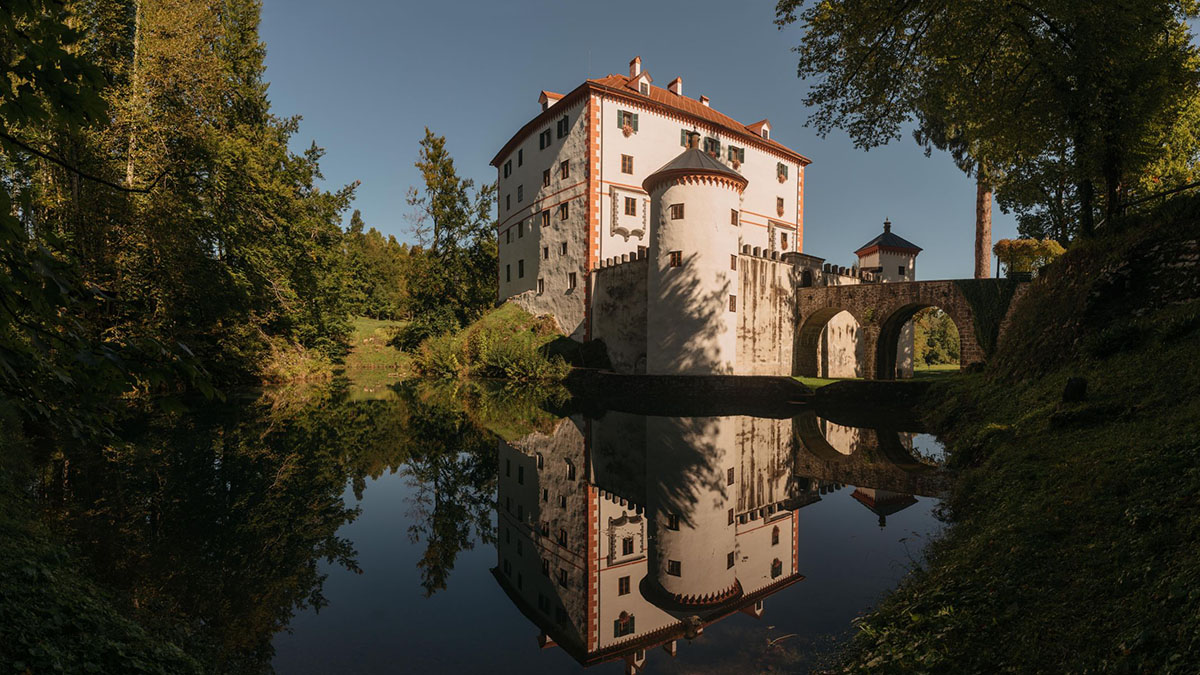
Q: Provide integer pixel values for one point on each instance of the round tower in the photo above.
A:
(690, 499)
(691, 312)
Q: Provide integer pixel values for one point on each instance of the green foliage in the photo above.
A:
(935, 338)
(1064, 92)
(1074, 524)
(378, 269)
(989, 300)
(453, 278)
(506, 343)
(1023, 256)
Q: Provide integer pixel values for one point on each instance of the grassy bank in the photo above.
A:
(1076, 523)
(506, 342)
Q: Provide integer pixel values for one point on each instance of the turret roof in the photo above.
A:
(888, 240)
(692, 162)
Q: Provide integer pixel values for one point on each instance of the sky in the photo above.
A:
(367, 77)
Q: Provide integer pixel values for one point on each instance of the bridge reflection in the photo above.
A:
(627, 533)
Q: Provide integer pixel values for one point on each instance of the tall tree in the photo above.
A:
(1110, 78)
(454, 273)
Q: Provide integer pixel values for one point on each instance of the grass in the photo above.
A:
(370, 349)
(818, 382)
(936, 372)
(1075, 538)
(506, 342)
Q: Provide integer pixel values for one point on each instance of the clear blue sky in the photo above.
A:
(368, 75)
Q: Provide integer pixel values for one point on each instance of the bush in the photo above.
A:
(506, 343)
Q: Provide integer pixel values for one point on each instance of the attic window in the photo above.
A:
(766, 133)
(644, 88)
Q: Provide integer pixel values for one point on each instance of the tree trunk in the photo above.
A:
(983, 227)
(135, 92)
(1086, 216)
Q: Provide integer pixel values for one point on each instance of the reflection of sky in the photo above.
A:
(927, 446)
(381, 622)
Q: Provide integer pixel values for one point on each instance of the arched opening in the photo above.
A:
(918, 339)
(830, 344)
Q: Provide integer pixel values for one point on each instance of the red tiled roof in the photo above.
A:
(619, 84)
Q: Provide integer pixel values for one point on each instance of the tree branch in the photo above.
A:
(28, 148)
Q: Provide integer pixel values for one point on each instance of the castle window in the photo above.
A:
(645, 89)
(570, 287)
(712, 146)
(507, 202)
(508, 168)
(732, 266)
(565, 168)
(733, 217)
(729, 479)
(672, 521)
(543, 603)
(563, 127)
(683, 133)
(546, 498)
(783, 240)
(570, 470)
(623, 625)
(737, 154)
(766, 133)
(673, 568)
(562, 211)
(520, 475)
(546, 218)
(562, 537)
(520, 269)
(781, 170)
(775, 536)
(564, 248)
(541, 461)
(730, 516)
(545, 253)
(630, 206)
(562, 577)
(776, 568)
(729, 561)
(508, 272)
(627, 546)
(546, 178)
(508, 236)
(541, 286)
(675, 259)
(544, 140)
(676, 211)
(623, 586)
(779, 205)
(627, 119)
(521, 230)
(520, 193)
(520, 157)
(545, 529)
(562, 501)
(902, 270)
(546, 567)
(626, 163)
(733, 303)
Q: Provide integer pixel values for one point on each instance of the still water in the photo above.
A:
(419, 528)
(620, 542)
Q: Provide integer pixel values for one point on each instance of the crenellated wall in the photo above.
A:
(766, 302)
(619, 311)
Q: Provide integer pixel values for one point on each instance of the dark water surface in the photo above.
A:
(471, 529)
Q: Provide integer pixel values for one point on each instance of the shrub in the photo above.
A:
(439, 357)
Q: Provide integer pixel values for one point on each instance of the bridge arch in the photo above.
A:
(807, 352)
(891, 329)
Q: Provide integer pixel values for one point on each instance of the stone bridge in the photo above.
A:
(978, 308)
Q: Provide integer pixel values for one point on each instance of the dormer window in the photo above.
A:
(644, 87)
(766, 133)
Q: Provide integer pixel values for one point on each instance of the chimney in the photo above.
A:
(635, 66)
(887, 225)
(676, 86)
(693, 139)
(704, 102)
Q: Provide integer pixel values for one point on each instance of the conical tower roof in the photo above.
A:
(693, 162)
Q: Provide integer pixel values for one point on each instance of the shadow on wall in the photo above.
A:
(691, 322)
(685, 463)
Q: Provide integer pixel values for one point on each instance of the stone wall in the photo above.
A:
(619, 311)
(765, 323)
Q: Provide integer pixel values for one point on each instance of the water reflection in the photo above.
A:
(627, 533)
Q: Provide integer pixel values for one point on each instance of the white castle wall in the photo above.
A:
(766, 328)
(557, 299)
(689, 327)
(619, 312)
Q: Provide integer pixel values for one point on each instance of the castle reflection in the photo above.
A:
(627, 533)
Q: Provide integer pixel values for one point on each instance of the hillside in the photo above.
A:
(1075, 543)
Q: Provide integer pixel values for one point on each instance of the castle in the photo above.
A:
(638, 216)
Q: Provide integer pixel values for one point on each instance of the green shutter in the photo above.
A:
(620, 118)
(635, 122)
(683, 137)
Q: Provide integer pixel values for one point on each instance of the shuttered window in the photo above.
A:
(625, 117)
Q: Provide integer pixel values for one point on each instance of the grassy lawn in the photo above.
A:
(935, 372)
(817, 382)
(369, 349)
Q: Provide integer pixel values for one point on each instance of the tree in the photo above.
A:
(454, 271)
(1016, 79)
(379, 268)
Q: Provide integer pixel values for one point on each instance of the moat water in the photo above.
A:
(411, 528)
